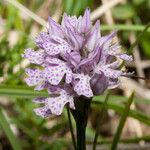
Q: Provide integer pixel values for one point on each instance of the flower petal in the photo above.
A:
(41, 86)
(84, 23)
(94, 36)
(35, 57)
(53, 89)
(125, 57)
(111, 73)
(75, 39)
(35, 76)
(56, 46)
(39, 100)
(106, 40)
(74, 58)
(93, 57)
(43, 111)
(69, 22)
(115, 51)
(114, 65)
(55, 28)
(42, 38)
(99, 83)
(55, 73)
(113, 83)
(82, 87)
(104, 45)
(56, 104)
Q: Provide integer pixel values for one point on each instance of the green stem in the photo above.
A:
(81, 140)
(71, 129)
(80, 115)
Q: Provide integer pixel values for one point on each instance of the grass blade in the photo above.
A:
(11, 137)
(25, 10)
(121, 99)
(133, 113)
(20, 91)
(26, 92)
(102, 116)
(121, 123)
(71, 129)
(139, 36)
(114, 103)
(124, 27)
(118, 107)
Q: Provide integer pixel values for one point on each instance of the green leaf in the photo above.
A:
(12, 139)
(71, 128)
(122, 123)
(20, 91)
(145, 44)
(114, 103)
(138, 2)
(116, 99)
(68, 4)
(132, 113)
(123, 12)
(26, 92)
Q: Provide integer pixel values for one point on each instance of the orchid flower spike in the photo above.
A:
(73, 60)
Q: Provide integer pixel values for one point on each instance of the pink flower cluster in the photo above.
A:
(73, 60)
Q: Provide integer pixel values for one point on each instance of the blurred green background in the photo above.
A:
(18, 28)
